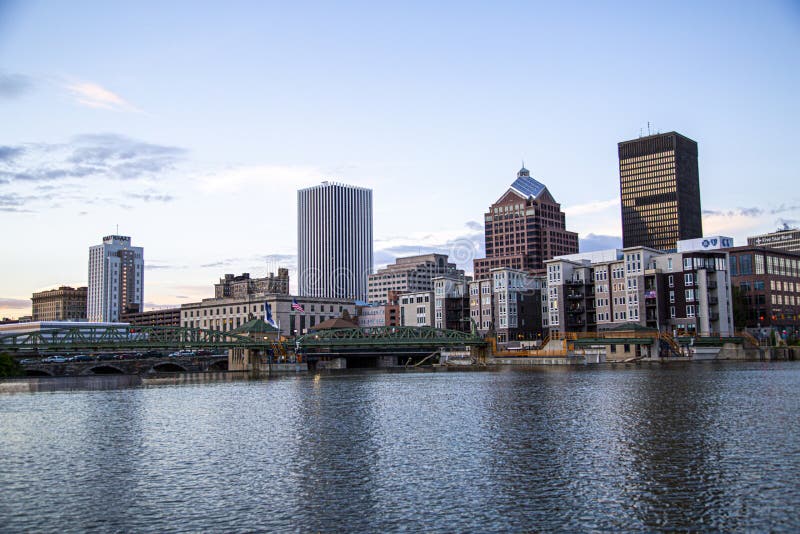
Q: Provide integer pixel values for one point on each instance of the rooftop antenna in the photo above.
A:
(117, 229)
(648, 127)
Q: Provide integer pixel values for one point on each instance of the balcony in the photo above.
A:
(574, 296)
(575, 322)
(575, 282)
(711, 284)
(713, 316)
(713, 300)
(576, 309)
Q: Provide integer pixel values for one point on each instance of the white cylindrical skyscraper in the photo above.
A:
(334, 241)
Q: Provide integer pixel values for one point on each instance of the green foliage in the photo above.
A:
(9, 366)
(739, 308)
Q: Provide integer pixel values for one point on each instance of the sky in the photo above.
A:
(189, 126)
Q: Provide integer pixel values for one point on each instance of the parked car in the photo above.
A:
(182, 354)
(82, 358)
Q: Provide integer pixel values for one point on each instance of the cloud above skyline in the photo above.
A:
(105, 156)
(96, 96)
(15, 304)
(14, 85)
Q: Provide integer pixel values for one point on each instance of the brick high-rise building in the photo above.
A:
(660, 190)
(524, 228)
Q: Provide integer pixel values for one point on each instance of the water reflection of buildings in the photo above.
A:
(337, 475)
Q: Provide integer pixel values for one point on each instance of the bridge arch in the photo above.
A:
(37, 372)
(104, 369)
(168, 367)
(219, 365)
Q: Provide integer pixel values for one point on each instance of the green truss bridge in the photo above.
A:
(381, 346)
(87, 337)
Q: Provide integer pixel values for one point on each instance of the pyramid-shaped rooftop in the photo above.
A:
(527, 186)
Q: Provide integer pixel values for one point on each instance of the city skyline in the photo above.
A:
(185, 147)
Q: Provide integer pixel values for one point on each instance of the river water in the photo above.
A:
(685, 446)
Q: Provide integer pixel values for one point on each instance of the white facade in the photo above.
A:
(116, 279)
(334, 241)
(416, 309)
(227, 314)
(372, 316)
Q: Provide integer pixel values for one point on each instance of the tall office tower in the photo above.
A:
(334, 241)
(524, 228)
(660, 190)
(116, 279)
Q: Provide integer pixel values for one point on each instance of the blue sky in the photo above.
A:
(191, 124)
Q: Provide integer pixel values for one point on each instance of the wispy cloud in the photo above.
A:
(96, 96)
(746, 220)
(60, 171)
(753, 211)
(10, 153)
(14, 85)
(151, 266)
(595, 206)
(95, 155)
(592, 242)
(14, 203)
(14, 304)
(275, 177)
(152, 197)
(460, 246)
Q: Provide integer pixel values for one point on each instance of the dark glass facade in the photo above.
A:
(660, 191)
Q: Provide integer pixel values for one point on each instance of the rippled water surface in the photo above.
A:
(699, 446)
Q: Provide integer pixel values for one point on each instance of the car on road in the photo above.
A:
(27, 360)
(182, 354)
(54, 359)
(82, 358)
(105, 357)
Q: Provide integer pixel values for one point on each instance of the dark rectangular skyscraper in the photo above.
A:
(660, 190)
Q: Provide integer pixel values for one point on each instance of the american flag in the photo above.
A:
(296, 306)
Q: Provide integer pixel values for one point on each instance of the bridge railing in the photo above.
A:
(86, 336)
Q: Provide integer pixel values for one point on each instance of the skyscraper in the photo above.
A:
(660, 190)
(116, 279)
(524, 228)
(334, 241)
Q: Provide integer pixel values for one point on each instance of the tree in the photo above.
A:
(9, 366)
(739, 308)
